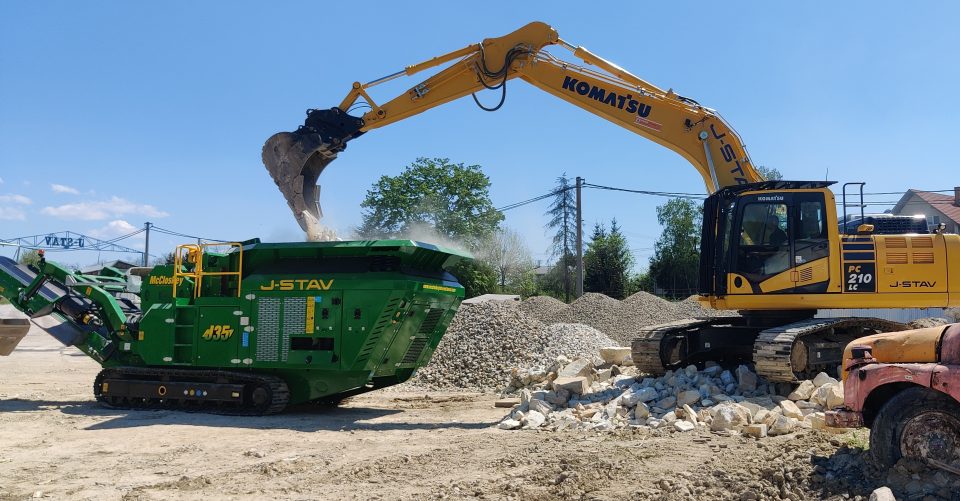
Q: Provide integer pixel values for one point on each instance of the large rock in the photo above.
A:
(823, 379)
(616, 355)
(667, 403)
(533, 419)
(790, 409)
(684, 425)
(579, 367)
(729, 416)
(782, 426)
(834, 395)
(576, 385)
(688, 397)
(746, 379)
(541, 407)
(802, 392)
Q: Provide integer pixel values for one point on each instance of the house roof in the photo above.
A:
(941, 202)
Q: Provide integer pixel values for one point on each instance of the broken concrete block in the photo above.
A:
(684, 426)
(758, 430)
(882, 494)
(533, 419)
(782, 426)
(688, 397)
(790, 409)
(689, 414)
(577, 385)
(541, 407)
(746, 379)
(729, 416)
(579, 367)
(667, 403)
(834, 397)
(823, 379)
(618, 355)
(603, 375)
(803, 391)
(506, 403)
(508, 424)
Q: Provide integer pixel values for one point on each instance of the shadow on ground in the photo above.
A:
(305, 418)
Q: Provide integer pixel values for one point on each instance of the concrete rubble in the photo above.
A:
(580, 395)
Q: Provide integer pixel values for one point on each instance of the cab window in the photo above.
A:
(764, 248)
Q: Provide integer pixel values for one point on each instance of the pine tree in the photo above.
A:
(563, 222)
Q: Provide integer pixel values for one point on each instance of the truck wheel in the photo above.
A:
(917, 423)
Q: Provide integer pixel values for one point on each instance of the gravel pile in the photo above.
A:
(618, 319)
(483, 344)
(573, 341)
(543, 308)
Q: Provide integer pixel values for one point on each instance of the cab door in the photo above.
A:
(811, 244)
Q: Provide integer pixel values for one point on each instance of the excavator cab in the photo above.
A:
(767, 237)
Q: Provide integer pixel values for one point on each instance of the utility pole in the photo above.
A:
(566, 252)
(579, 238)
(146, 244)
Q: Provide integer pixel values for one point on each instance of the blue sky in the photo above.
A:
(157, 111)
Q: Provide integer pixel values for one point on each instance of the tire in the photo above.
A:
(917, 423)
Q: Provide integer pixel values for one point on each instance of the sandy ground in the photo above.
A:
(56, 442)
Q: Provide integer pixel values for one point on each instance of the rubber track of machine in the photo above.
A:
(645, 348)
(280, 393)
(773, 347)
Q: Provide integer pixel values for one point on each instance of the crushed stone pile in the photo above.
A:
(577, 395)
(483, 344)
(921, 323)
(487, 341)
(618, 319)
(543, 308)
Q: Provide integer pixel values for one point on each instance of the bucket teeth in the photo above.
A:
(295, 161)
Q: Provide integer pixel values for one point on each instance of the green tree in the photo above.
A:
(769, 173)
(675, 264)
(476, 277)
(506, 252)
(563, 224)
(30, 258)
(607, 262)
(435, 194)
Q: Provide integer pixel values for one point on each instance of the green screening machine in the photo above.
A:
(246, 328)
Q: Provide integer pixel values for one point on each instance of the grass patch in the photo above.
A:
(859, 438)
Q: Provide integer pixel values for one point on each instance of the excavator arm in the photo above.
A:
(296, 159)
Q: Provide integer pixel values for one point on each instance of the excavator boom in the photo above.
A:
(296, 159)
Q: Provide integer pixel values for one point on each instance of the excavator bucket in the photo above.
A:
(295, 160)
(12, 331)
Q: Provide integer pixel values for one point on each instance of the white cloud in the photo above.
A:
(62, 188)
(113, 229)
(12, 214)
(106, 209)
(13, 198)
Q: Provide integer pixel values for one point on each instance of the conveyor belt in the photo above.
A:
(25, 276)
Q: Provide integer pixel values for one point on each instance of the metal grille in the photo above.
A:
(294, 322)
(268, 329)
(414, 351)
(922, 258)
(896, 258)
(806, 274)
(430, 321)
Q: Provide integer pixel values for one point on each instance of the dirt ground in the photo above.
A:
(56, 442)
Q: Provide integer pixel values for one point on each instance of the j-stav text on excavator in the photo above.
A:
(777, 251)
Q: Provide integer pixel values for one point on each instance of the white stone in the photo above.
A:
(758, 430)
(669, 417)
(689, 414)
(684, 425)
(687, 397)
(509, 424)
(834, 395)
(746, 379)
(790, 409)
(577, 385)
(761, 416)
(729, 416)
(541, 407)
(533, 419)
(641, 411)
(618, 355)
(803, 391)
(882, 494)
(782, 426)
(823, 379)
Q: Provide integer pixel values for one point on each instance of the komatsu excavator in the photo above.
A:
(773, 250)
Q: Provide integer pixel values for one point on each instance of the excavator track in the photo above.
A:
(777, 351)
(645, 350)
(188, 389)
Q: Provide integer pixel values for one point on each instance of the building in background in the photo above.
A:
(937, 207)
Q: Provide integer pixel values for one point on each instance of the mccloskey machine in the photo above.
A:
(247, 328)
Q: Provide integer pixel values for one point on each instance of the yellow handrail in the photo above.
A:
(195, 255)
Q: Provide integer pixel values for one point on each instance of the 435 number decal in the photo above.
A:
(217, 333)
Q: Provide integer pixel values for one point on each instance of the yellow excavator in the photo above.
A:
(774, 250)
